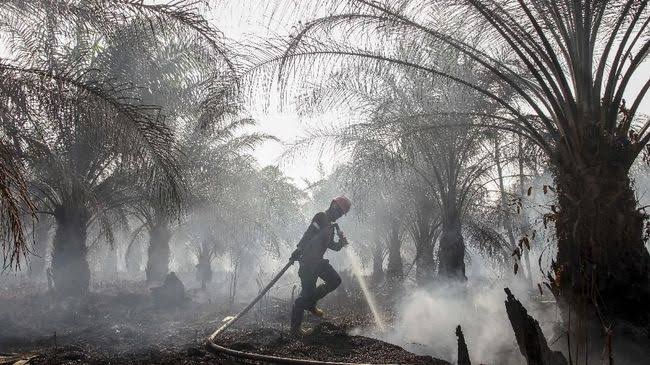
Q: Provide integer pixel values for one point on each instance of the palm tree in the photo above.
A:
(82, 125)
(79, 153)
(426, 126)
(256, 216)
(214, 146)
(380, 203)
(424, 228)
(570, 65)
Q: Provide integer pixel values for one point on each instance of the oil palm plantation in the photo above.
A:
(81, 123)
(381, 206)
(215, 154)
(424, 126)
(571, 66)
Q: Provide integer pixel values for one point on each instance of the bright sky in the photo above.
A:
(246, 21)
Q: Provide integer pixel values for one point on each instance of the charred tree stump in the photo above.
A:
(171, 293)
(463, 354)
(531, 340)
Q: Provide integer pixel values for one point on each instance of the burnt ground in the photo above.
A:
(119, 324)
(328, 342)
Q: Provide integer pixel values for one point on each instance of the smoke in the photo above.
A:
(426, 319)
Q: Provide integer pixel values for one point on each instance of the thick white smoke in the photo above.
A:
(426, 320)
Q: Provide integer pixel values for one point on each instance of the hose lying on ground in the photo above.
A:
(214, 347)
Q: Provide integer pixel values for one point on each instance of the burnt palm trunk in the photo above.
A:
(41, 243)
(133, 258)
(158, 253)
(602, 264)
(424, 262)
(204, 267)
(395, 266)
(70, 269)
(524, 217)
(451, 256)
(110, 261)
(505, 213)
(378, 263)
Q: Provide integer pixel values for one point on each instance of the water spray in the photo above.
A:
(356, 270)
(370, 299)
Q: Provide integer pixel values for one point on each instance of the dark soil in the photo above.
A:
(327, 342)
(120, 324)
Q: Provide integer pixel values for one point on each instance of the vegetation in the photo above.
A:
(478, 140)
(556, 74)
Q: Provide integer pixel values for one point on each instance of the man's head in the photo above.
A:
(339, 206)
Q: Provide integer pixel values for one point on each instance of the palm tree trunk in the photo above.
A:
(204, 272)
(395, 266)
(110, 261)
(425, 231)
(158, 258)
(602, 264)
(524, 219)
(377, 262)
(70, 268)
(204, 267)
(506, 217)
(41, 243)
(424, 262)
(133, 258)
(451, 255)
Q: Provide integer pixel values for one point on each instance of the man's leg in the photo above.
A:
(331, 279)
(304, 300)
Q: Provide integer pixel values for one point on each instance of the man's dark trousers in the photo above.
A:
(310, 293)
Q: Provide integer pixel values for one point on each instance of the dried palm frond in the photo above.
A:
(569, 63)
(91, 92)
(15, 206)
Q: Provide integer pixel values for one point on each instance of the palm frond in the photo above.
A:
(16, 208)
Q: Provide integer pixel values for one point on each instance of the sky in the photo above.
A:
(246, 21)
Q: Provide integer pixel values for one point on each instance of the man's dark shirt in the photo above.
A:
(317, 239)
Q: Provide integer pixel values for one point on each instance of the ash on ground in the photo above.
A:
(121, 324)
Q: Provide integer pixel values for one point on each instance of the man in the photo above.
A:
(311, 248)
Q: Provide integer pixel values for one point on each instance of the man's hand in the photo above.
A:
(343, 239)
(295, 256)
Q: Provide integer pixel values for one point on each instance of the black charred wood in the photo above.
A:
(531, 340)
(171, 293)
(463, 354)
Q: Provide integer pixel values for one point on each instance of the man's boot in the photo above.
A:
(317, 312)
(296, 319)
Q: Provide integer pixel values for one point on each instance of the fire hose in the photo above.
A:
(216, 348)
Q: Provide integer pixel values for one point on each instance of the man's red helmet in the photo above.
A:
(343, 203)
